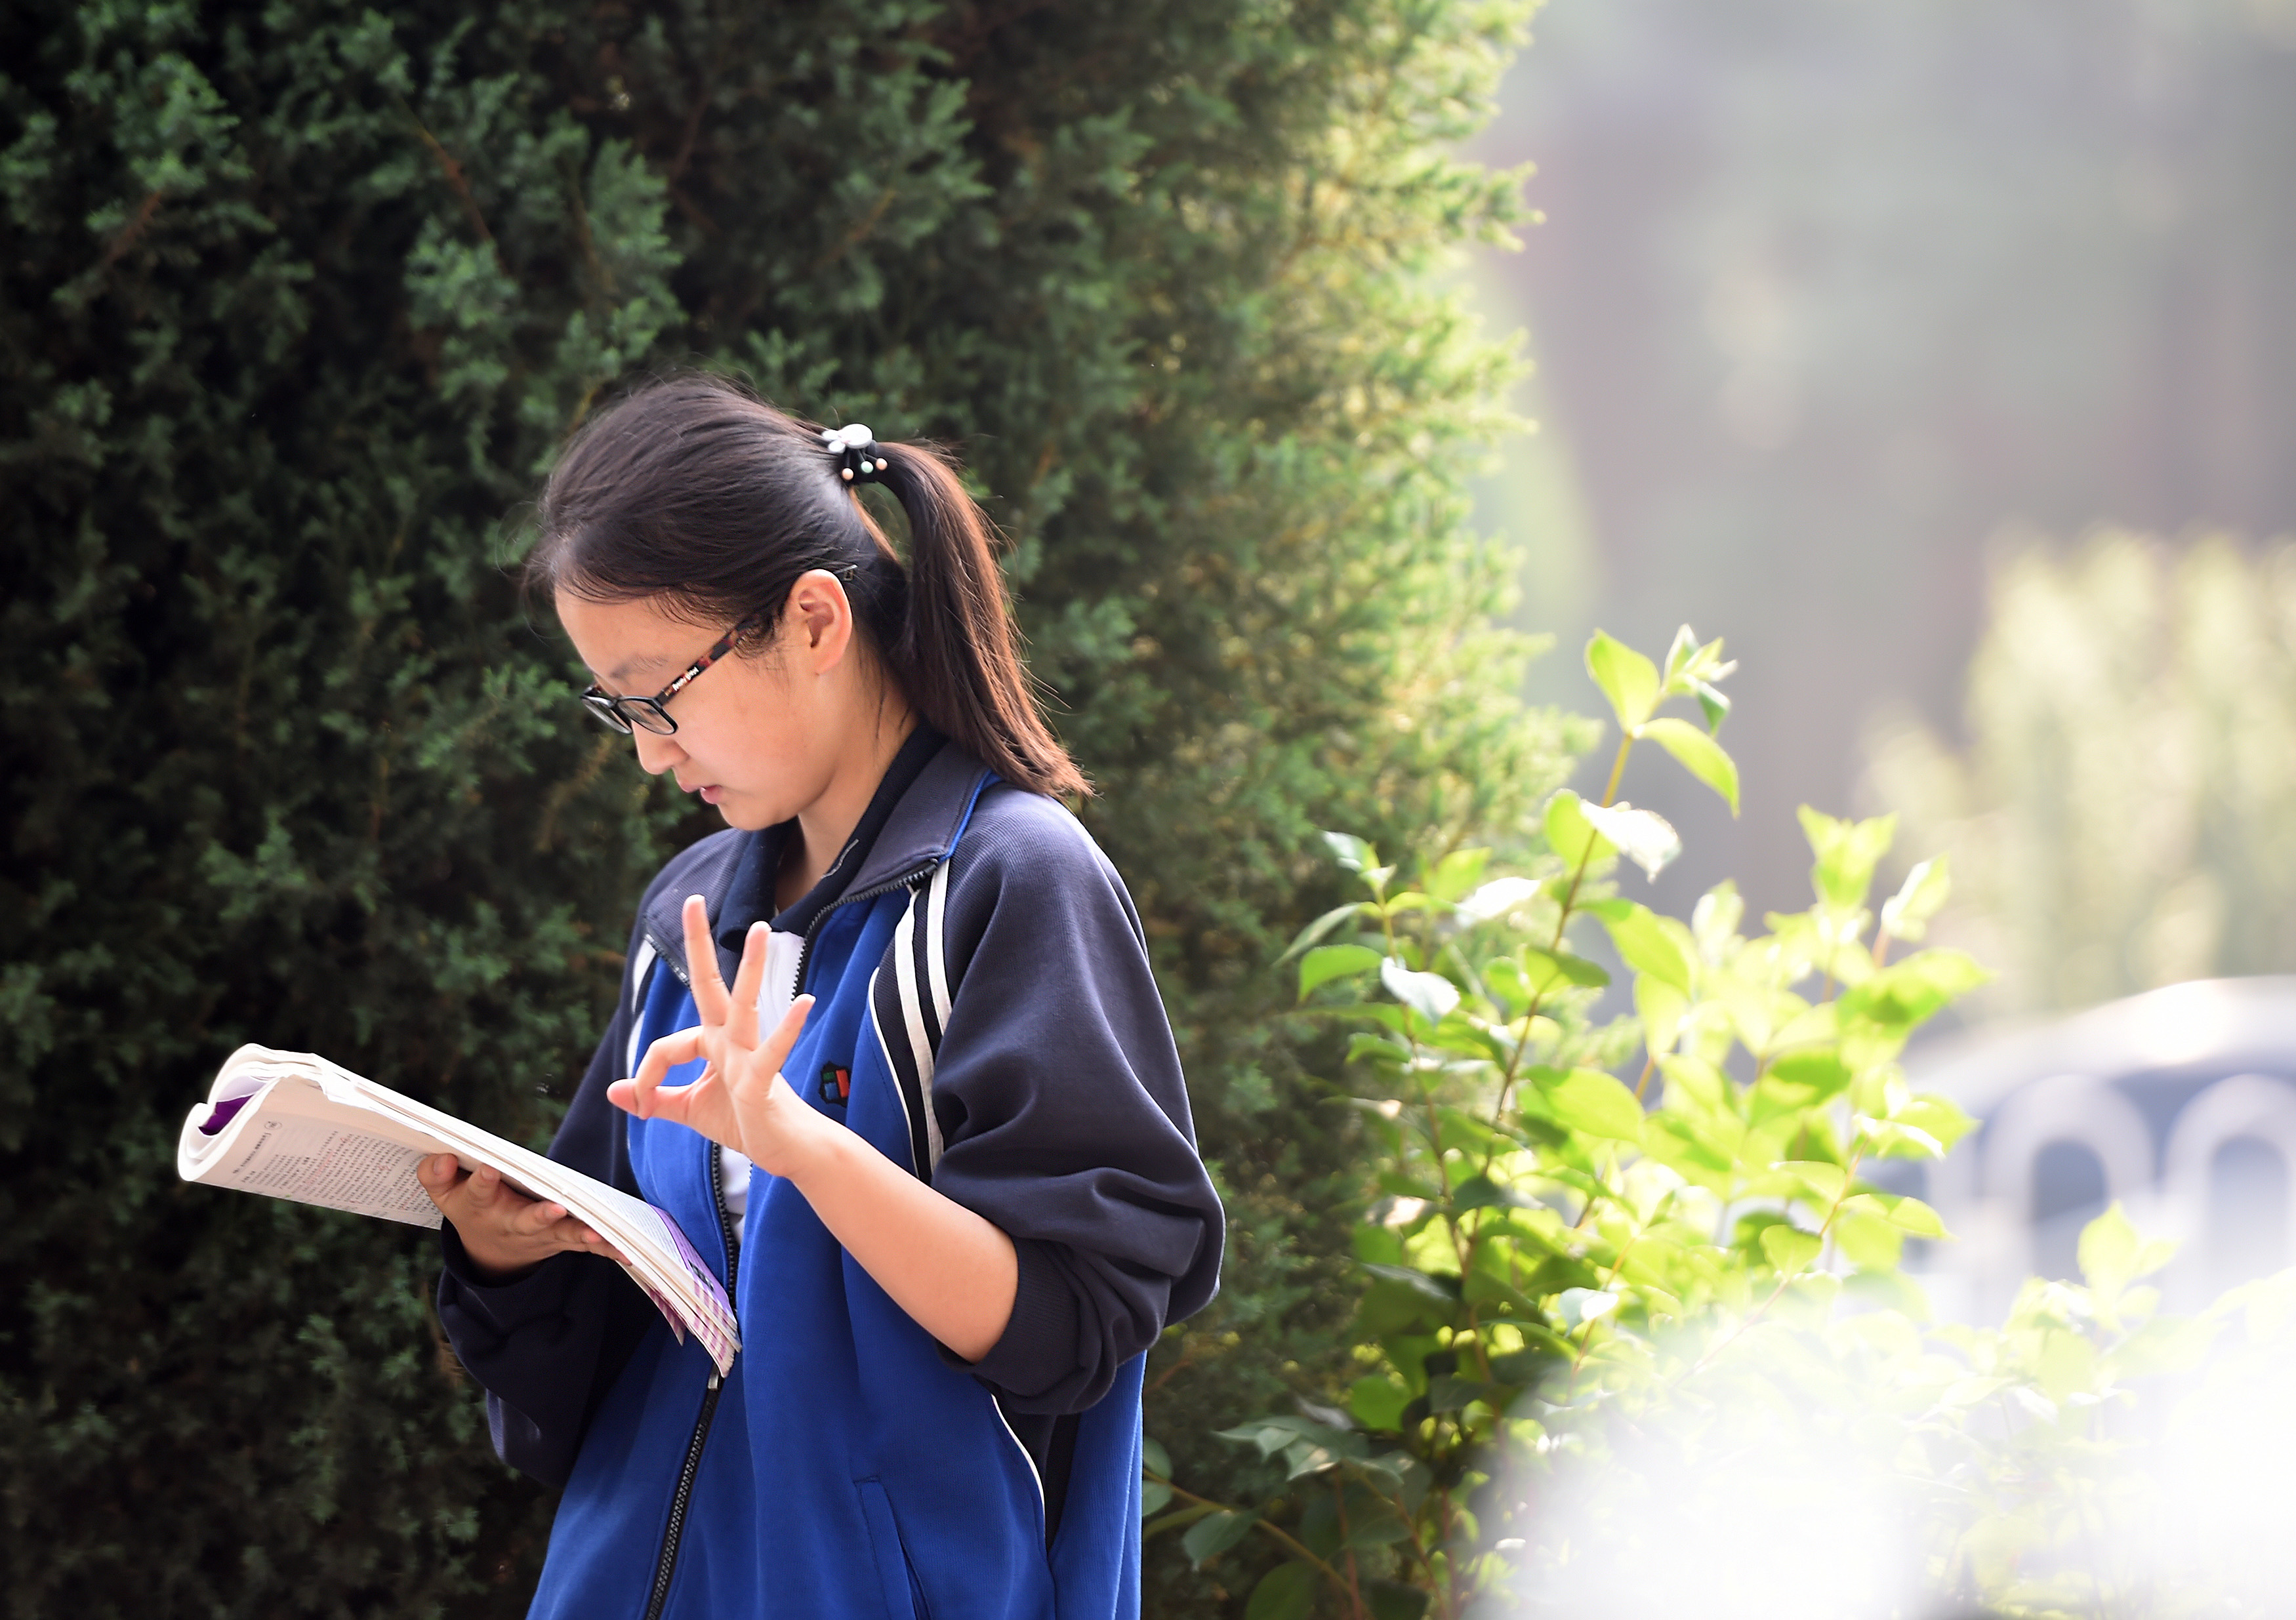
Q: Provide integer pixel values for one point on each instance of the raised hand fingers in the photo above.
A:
(711, 999)
(777, 1047)
(662, 1056)
(749, 983)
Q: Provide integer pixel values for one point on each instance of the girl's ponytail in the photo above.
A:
(956, 654)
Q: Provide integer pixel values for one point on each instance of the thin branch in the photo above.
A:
(133, 228)
(1282, 1536)
(457, 180)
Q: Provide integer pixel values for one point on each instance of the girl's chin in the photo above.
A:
(742, 815)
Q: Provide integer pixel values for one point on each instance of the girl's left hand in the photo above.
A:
(740, 1101)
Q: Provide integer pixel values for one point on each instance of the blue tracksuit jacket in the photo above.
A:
(984, 1018)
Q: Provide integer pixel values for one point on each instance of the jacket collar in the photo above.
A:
(932, 785)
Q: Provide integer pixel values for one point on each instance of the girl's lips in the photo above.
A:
(708, 794)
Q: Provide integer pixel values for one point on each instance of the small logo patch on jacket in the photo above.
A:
(836, 1085)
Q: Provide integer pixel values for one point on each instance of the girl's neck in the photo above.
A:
(823, 826)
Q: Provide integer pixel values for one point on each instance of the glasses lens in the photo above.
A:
(602, 709)
(649, 713)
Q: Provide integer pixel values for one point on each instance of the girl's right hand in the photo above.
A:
(740, 1099)
(502, 1231)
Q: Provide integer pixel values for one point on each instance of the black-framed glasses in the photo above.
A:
(625, 715)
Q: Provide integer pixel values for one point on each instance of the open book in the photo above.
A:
(290, 1125)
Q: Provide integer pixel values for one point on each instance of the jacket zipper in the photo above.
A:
(666, 1565)
(904, 880)
(682, 1499)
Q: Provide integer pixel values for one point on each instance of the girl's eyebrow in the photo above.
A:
(622, 671)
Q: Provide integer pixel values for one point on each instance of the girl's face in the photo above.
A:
(759, 735)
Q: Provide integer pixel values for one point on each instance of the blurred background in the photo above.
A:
(1941, 354)
(1942, 358)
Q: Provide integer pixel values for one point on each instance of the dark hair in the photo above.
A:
(692, 489)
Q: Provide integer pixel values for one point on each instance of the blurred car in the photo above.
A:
(2180, 1103)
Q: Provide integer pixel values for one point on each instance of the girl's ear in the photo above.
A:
(820, 619)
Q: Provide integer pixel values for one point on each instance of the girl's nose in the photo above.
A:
(656, 752)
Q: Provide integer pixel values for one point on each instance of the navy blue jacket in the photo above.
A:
(985, 1017)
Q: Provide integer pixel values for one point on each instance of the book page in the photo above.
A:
(279, 1149)
(293, 1125)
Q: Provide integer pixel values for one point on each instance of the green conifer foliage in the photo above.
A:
(297, 300)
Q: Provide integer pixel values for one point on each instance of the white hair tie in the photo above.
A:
(856, 447)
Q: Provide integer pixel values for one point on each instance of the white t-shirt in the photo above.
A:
(774, 998)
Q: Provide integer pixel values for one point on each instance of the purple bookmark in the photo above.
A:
(223, 1113)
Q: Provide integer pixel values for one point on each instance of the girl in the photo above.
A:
(933, 1135)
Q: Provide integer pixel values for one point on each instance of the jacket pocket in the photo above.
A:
(904, 1598)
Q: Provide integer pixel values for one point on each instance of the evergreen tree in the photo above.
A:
(298, 301)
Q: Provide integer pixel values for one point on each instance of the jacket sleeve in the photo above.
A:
(1062, 1109)
(548, 1343)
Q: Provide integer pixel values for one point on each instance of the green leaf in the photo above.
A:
(1819, 1074)
(1905, 992)
(1714, 920)
(1404, 1474)
(1661, 1008)
(1628, 679)
(1790, 1248)
(1380, 1051)
(1824, 1181)
(1326, 963)
(1905, 914)
(1590, 1101)
(1908, 1215)
(1285, 1592)
(1847, 852)
(1643, 836)
(1570, 835)
(1457, 872)
(1699, 754)
(1214, 1534)
(1711, 703)
(1482, 1288)
(1351, 851)
(1377, 1401)
(1542, 968)
(1679, 652)
(1309, 1457)
(1576, 1307)
(1430, 995)
(1154, 1457)
(1502, 977)
(1155, 1496)
(1939, 1118)
(1496, 898)
(1482, 1192)
(1870, 1243)
(2067, 1364)
(1317, 930)
(2113, 1254)
(1650, 943)
(1698, 1083)
(1443, 1289)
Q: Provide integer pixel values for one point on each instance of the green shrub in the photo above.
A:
(1648, 1347)
(297, 301)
